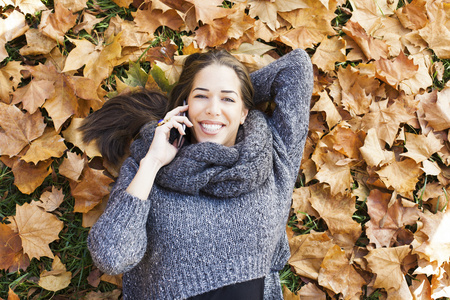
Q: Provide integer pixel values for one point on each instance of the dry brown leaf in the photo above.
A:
(338, 274)
(172, 72)
(56, 24)
(421, 147)
(72, 166)
(301, 204)
(440, 284)
(308, 252)
(89, 21)
(149, 20)
(114, 279)
(330, 51)
(436, 246)
(74, 136)
(437, 35)
(18, 129)
(388, 216)
(344, 140)
(10, 77)
(393, 72)
(421, 288)
(386, 264)
(337, 211)
(50, 201)
(94, 185)
(74, 5)
(334, 170)
(33, 95)
(401, 176)
(372, 152)
(56, 279)
(310, 291)
(30, 6)
(48, 145)
(326, 105)
(437, 112)
(214, 34)
(113, 295)
(10, 245)
(10, 28)
(413, 15)
(36, 229)
(12, 295)
(208, 11)
(288, 295)
(94, 214)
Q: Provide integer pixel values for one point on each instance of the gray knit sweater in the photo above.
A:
(216, 215)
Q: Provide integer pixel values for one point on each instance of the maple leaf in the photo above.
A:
(386, 264)
(393, 72)
(10, 28)
(30, 6)
(50, 144)
(372, 152)
(240, 21)
(94, 185)
(388, 216)
(72, 166)
(301, 204)
(172, 72)
(330, 51)
(440, 284)
(55, 25)
(372, 48)
(308, 252)
(10, 77)
(36, 229)
(401, 176)
(89, 21)
(339, 275)
(436, 110)
(74, 136)
(437, 35)
(421, 147)
(420, 288)
(10, 244)
(334, 170)
(33, 95)
(149, 20)
(413, 15)
(56, 279)
(112, 295)
(344, 140)
(90, 217)
(310, 291)
(123, 3)
(436, 246)
(326, 105)
(50, 201)
(18, 129)
(337, 211)
(27, 177)
(214, 34)
(208, 11)
(37, 43)
(386, 120)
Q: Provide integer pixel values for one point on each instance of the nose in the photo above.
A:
(213, 107)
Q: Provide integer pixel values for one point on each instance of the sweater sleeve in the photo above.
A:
(118, 240)
(289, 82)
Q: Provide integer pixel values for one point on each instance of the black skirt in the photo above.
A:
(247, 290)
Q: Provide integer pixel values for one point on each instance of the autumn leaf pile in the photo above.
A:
(375, 174)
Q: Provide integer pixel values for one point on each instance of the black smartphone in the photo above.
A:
(181, 138)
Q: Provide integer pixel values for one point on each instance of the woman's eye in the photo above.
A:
(228, 99)
(199, 96)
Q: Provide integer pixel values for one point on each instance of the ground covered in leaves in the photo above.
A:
(370, 213)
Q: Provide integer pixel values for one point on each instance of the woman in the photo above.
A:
(208, 218)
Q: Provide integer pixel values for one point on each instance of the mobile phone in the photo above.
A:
(181, 138)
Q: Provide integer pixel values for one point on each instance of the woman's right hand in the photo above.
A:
(161, 150)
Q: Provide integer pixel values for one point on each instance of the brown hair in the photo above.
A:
(114, 125)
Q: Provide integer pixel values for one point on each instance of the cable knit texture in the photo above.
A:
(216, 215)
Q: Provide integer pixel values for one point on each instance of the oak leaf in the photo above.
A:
(18, 129)
(50, 201)
(386, 264)
(34, 94)
(10, 77)
(401, 176)
(338, 274)
(56, 279)
(72, 166)
(337, 211)
(330, 51)
(308, 252)
(94, 185)
(36, 229)
(74, 136)
(388, 216)
(48, 145)
(55, 25)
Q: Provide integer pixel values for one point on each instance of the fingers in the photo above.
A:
(175, 122)
(176, 111)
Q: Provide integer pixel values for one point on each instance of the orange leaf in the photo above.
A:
(36, 229)
(413, 15)
(50, 144)
(330, 51)
(149, 20)
(212, 35)
(74, 136)
(10, 244)
(372, 48)
(12, 295)
(89, 192)
(18, 129)
(339, 275)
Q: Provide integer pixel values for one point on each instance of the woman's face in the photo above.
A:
(215, 105)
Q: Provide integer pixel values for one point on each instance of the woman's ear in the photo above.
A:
(244, 115)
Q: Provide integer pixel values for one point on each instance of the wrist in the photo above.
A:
(149, 161)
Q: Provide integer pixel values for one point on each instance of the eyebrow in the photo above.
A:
(223, 91)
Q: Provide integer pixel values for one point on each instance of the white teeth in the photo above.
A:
(211, 127)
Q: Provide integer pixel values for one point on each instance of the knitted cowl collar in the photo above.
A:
(217, 170)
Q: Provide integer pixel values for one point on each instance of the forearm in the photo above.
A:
(142, 183)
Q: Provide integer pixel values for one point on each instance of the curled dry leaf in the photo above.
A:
(56, 279)
(48, 145)
(74, 136)
(50, 201)
(36, 229)
(72, 166)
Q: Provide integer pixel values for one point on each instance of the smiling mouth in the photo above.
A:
(211, 128)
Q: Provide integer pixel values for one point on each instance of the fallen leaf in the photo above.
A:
(334, 170)
(10, 28)
(10, 244)
(48, 145)
(330, 51)
(50, 201)
(421, 288)
(437, 112)
(310, 291)
(372, 152)
(112, 295)
(437, 35)
(10, 78)
(18, 129)
(36, 229)
(421, 147)
(413, 15)
(90, 217)
(72, 166)
(114, 279)
(172, 72)
(301, 204)
(440, 284)
(308, 252)
(56, 279)
(94, 277)
(393, 72)
(30, 6)
(56, 24)
(386, 264)
(12, 295)
(372, 48)
(326, 105)
(94, 185)
(214, 34)
(33, 95)
(149, 20)
(74, 136)
(339, 275)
